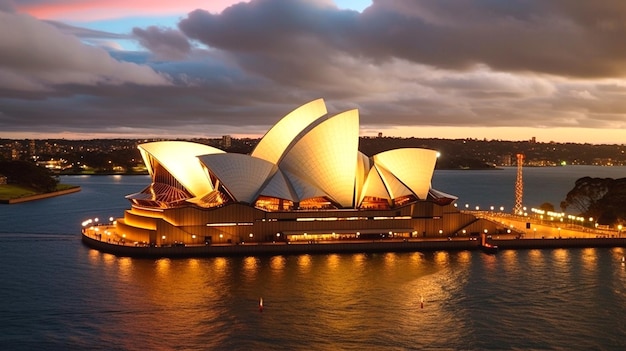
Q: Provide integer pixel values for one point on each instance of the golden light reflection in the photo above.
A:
(510, 260)
(359, 259)
(125, 268)
(250, 265)
(536, 257)
(441, 257)
(109, 259)
(304, 263)
(464, 256)
(193, 264)
(220, 264)
(490, 262)
(590, 259)
(416, 259)
(162, 267)
(94, 255)
(390, 259)
(333, 261)
(277, 263)
(561, 259)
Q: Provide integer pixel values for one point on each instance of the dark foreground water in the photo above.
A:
(56, 294)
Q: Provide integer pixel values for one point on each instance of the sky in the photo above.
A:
(485, 69)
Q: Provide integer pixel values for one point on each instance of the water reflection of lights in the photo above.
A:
(464, 256)
(304, 263)
(277, 263)
(163, 267)
(441, 257)
(125, 267)
(333, 261)
(359, 259)
(109, 259)
(510, 258)
(193, 263)
(250, 263)
(561, 259)
(220, 265)
(590, 259)
(390, 259)
(416, 259)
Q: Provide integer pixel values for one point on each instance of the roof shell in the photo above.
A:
(326, 156)
(275, 142)
(242, 175)
(412, 166)
(179, 159)
(279, 187)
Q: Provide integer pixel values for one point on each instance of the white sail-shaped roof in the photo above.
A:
(303, 189)
(279, 187)
(242, 175)
(413, 167)
(179, 159)
(275, 142)
(326, 156)
(362, 169)
(374, 186)
(394, 186)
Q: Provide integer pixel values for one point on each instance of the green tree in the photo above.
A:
(601, 198)
(29, 175)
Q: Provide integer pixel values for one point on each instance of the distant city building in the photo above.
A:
(305, 180)
(506, 160)
(226, 141)
(31, 148)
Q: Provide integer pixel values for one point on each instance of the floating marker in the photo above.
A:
(421, 301)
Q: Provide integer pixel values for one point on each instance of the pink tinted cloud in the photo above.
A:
(106, 9)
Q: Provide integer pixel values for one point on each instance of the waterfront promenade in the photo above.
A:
(538, 236)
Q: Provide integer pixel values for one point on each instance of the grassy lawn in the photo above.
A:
(12, 191)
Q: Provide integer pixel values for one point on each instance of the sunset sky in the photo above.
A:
(510, 70)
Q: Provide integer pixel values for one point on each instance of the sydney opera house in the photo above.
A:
(305, 180)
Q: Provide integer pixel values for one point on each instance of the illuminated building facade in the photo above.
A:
(305, 180)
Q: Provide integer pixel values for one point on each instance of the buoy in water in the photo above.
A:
(261, 305)
(421, 301)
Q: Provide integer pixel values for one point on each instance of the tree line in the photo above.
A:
(600, 198)
(29, 175)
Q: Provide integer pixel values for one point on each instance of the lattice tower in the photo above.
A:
(519, 185)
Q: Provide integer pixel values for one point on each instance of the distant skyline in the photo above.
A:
(511, 70)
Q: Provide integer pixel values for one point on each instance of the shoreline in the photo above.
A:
(282, 248)
(41, 196)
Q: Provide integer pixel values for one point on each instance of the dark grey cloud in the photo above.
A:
(165, 43)
(402, 63)
(549, 37)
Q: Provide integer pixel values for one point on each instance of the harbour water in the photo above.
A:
(56, 294)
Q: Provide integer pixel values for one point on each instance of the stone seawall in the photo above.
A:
(41, 196)
(504, 244)
(343, 247)
(279, 248)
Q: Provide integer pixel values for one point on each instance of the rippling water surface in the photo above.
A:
(56, 294)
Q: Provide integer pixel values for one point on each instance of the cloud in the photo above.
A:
(407, 65)
(547, 37)
(41, 57)
(165, 43)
